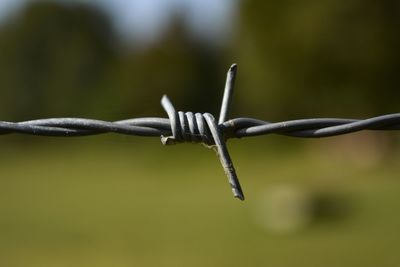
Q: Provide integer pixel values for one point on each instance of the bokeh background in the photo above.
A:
(116, 200)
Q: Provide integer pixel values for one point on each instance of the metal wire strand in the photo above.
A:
(234, 128)
(311, 128)
(202, 128)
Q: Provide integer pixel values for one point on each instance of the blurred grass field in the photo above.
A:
(111, 201)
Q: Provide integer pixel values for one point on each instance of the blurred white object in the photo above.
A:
(284, 208)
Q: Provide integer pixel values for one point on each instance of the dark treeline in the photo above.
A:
(320, 57)
(65, 60)
(296, 59)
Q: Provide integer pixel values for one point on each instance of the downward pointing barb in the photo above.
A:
(224, 157)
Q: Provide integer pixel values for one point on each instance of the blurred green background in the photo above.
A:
(117, 200)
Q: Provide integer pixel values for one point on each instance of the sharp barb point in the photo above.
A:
(228, 92)
(241, 197)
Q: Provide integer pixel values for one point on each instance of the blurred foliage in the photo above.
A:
(296, 59)
(319, 58)
(177, 65)
(65, 60)
(52, 60)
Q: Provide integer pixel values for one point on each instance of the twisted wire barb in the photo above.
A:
(202, 128)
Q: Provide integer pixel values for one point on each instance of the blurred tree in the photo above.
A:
(53, 58)
(188, 70)
(319, 58)
(65, 60)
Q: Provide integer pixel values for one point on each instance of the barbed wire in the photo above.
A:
(202, 128)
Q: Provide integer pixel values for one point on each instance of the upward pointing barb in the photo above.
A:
(202, 128)
(228, 93)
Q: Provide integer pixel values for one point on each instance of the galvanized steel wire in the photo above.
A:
(202, 128)
(235, 128)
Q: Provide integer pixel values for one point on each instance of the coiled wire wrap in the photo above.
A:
(202, 128)
(186, 127)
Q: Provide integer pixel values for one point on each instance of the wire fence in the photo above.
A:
(202, 128)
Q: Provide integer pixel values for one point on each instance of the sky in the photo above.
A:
(145, 19)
